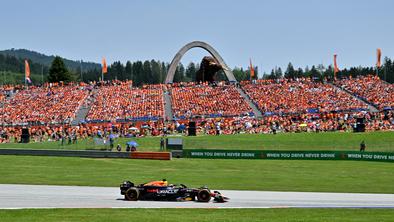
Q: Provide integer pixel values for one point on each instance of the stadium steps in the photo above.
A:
(167, 105)
(256, 111)
(84, 109)
(371, 107)
(9, 97)
(80, 115)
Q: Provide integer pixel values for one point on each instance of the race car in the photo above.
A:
(162, 191)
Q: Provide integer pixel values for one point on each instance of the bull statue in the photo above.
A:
(208, 69)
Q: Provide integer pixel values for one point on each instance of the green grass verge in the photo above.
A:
(375, 141)
(199, 215)
(8, 77)
(275, 175)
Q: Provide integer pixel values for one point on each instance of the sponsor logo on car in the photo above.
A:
(166, 191)
(152, 190)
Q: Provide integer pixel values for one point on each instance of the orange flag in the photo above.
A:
(336, 69)
(104, 68)
(378, 55)
(251, 69)
(27, 71)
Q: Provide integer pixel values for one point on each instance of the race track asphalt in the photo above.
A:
(42, 196)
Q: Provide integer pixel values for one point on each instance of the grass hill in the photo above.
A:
(47, 60)
(334, 141)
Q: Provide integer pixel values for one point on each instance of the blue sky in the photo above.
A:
(272, 33)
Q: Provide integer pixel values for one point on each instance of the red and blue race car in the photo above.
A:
(162, 191)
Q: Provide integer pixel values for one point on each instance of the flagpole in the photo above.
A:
(250, 69)
(385, 72)
(378, 63)
(42, 74)
(335, 67)
(81, 72)
(333, 75)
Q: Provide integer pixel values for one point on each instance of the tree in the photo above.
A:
(155, 71)
(388, 70)
(290, 72)
(128, 71)
(179, 73)
(115, 71)
(314, 73)
(191, 72)
(91, 75)
(278, 73)
(59, 72)
(137, 73)
(299, 73)
(147, 73)
(306, 72)
(329, 73)
(163, 71)
(271, 75)
(152, 72)
(239, 74)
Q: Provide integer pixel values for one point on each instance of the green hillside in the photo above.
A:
(375, 141)
(7, 77)
(47, 60)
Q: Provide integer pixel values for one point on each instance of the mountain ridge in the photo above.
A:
(46, 60)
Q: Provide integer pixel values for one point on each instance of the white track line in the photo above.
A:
(42, 196)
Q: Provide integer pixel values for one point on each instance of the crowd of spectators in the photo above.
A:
(300, 105)
(119, 100)
(47, 104)
(324, 122)
(6, 90)
(283, 96)
(40, 133)
(189, 100)
(370, 88)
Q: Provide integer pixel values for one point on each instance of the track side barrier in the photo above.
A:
(66, 153)
(288, 155)
(151, 155)
(88, 153)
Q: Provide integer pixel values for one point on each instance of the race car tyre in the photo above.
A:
(132, 194)
(203, 195)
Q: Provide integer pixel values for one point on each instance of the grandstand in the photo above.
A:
(190, 100)
(300, 105)
(285, 96)
(4, 91)
(121, 102)
(43, 105)
(371, 89)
